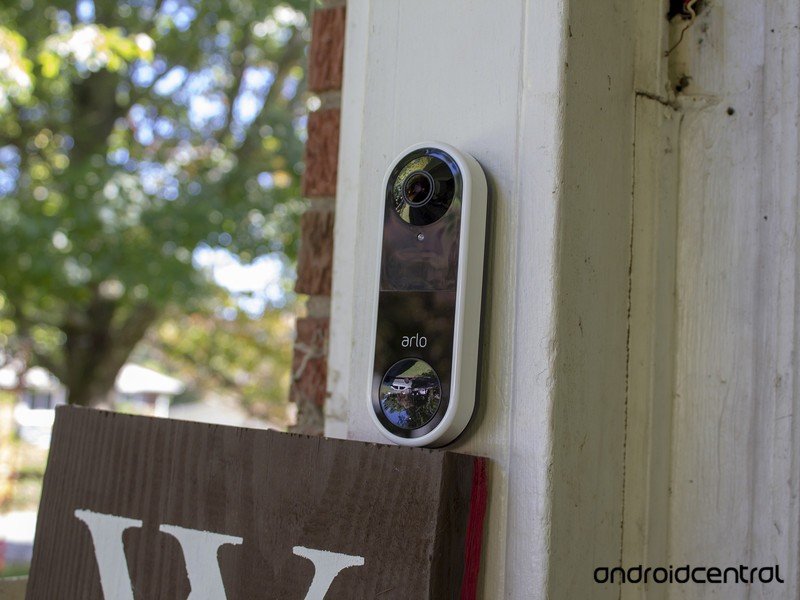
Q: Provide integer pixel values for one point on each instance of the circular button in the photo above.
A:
(410, 393)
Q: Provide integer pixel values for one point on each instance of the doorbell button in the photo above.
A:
(410, 394)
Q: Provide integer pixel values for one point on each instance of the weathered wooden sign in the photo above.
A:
(139, 508)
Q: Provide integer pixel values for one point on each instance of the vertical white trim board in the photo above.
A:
(735, 443)
(545, 103)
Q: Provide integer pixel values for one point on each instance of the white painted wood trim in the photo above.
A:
(488, 129)
(736, 422)
(651, 347)
(651, 343)
(534, 105)
(342, 341)
(640, 402)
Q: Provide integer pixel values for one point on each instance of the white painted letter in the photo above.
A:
(200, 553)
(106, 531)
(327, 566)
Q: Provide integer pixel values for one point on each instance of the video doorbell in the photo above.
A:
(426, 335)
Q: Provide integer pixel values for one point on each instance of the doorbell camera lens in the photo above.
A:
(418, 188)
(424, 185)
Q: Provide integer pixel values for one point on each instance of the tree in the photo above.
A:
(132, 134)
(241, 356)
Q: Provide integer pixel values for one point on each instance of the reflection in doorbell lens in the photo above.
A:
(410, 393)
(423, 186)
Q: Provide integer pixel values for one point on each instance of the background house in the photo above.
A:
(137, 390)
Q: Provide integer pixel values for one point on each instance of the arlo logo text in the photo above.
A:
(415, 341)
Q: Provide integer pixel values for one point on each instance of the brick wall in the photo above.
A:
(309, 365)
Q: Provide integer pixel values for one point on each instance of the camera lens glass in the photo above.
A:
(418, 188)
(424, 185)
(410, 393)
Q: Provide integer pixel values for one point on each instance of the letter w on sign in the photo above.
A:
(199, 552)
(138, 509)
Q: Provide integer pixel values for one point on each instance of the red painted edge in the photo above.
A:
(474, 538)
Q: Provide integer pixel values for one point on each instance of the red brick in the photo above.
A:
(326, 55)
(322, 154)
(309, 363)
(315, 259)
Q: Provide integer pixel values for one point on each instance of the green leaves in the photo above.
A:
(245, 357)
(93, 47)
(134, 133)
(16, 70)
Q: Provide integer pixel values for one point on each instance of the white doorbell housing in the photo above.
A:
(426, 334)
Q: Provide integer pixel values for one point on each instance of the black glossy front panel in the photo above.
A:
(417, 325)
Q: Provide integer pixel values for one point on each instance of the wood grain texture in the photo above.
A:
(735, 447)
(592, 289)
(651, 343)
(651, 348)
(404, 511)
